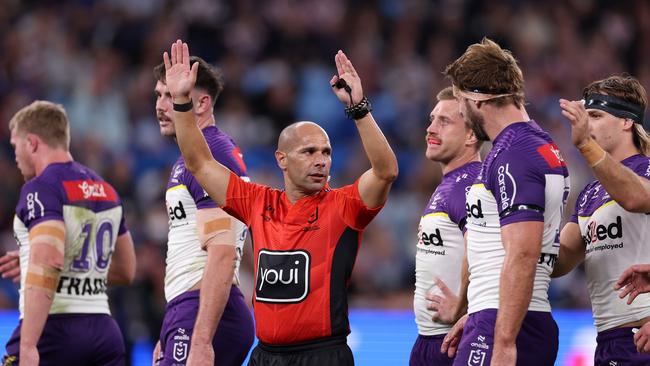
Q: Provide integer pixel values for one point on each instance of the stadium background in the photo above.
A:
(95, 58)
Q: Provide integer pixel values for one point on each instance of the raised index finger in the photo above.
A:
(186, 54)
(339, 66)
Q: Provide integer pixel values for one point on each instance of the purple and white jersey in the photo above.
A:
(441, 243)
(92, 213)
(185, 258)
(524, 178)
(614, 239)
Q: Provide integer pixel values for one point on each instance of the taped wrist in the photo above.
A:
(592, 152)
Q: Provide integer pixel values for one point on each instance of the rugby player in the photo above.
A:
(441, 242)
(604, 233)
(206, 322)
(73, 242)
(514, 211)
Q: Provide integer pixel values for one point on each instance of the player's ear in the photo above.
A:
(204, 104)
(281, 158)
(470, 137)
(628, 124)
(32, 142)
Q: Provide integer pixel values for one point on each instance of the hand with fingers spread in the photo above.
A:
(445, 305)
(452, 339)
(180, 76)
(576, 113)
(10, 265)
(633, 282)
(346, 72)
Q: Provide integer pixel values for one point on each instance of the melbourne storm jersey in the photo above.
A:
(524, 178)
(304, 254)
(93, 218)
(441, 244)
(614, 239)
(185, 258)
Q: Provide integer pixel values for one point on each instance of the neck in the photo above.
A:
(621, 152)
(497, 119)
(294, 193)
(469, 155)
(52, 157)
(205, 120)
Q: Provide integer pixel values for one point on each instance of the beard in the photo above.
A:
(477, 122)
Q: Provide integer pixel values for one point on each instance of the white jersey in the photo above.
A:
(92, 214)
(441, 244)
(523, 179)
(185, 258)
(614, 239)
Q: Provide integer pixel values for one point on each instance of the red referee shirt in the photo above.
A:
(304, 254)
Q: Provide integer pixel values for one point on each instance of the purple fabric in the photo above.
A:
(537, 342)
(521, 156)
(42, 198)
(426, 352)
(231, 342)
(449, 196)
(223, 150)
(75, 339)
(616, 347)
(594, 195)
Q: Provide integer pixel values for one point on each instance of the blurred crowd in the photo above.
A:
(277, 56)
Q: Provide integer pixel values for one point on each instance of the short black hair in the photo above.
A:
(209, 78)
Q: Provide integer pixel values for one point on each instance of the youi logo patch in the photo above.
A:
(282, 276)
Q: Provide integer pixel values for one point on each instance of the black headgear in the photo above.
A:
(615, 106)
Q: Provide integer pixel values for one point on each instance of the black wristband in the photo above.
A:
(359, 110)
(185, 107)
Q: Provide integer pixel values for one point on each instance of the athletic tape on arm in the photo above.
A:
(47, 242)
(215, 227)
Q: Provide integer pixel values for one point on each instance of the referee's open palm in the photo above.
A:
(180, 78)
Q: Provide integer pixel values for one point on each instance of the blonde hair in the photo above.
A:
(641, 139)
(46, 120)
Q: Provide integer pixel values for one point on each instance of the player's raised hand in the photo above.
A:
(445, 305)
(346, 71)
(633, 282)
(180, 76)
(10, 265)
(576, 113)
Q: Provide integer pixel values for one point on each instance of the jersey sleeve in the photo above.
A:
(580, 201)
(199, 195)
(518, 187)
(643, 169)
(354, 212)
(39, 202)
(123, 229)
(456, 204)
(241, 198)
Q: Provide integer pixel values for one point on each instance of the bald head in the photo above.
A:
(295, 133)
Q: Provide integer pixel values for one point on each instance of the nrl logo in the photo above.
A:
(180, 351)
(476, 358)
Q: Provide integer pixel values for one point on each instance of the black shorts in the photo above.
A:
(321, 352)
